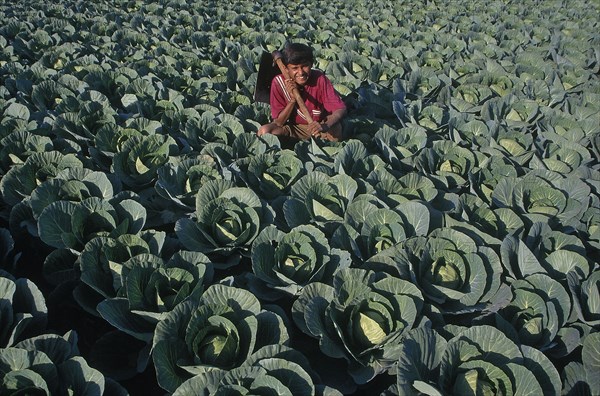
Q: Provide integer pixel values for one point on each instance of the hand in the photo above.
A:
(290, 86)
(317, 128)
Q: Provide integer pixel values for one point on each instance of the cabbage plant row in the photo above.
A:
(151, 242)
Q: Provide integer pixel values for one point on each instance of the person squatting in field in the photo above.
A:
(322, 101)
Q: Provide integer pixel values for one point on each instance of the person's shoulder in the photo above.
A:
(278, 77)
(317, 74)
(278, 81)
(318, 77)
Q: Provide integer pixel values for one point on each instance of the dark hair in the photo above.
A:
(298, 54)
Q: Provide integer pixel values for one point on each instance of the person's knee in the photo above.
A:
(267, 128)
(262, 130)
(271, 128)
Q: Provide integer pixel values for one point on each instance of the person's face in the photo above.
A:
(299, 73)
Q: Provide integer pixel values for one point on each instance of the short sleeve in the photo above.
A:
(330, 98)
(279, 97)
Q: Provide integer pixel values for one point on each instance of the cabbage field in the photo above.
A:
(152, 244)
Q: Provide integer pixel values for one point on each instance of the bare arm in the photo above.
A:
(285, 114)
(334, 118)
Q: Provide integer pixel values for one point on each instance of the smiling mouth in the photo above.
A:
(301, 78)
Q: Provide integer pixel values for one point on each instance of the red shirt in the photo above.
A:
(319, 97)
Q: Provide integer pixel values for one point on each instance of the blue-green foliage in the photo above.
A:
(449, 245)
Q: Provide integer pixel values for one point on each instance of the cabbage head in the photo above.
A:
(478, 360)
(581, 377)
(20, 144)
(23, 311)
(74, 185)
(152, 287)
(140, 158)
(447, 162)
(586, 297)
(361, 318)
(283, 263)
(319, 199)
(104, 262)
(180, 180)
(544, 197)
(66, 224)
(398, 146)
(475, 214)
(21, 179)
(539, 309)
(226, 221)
(272, 174)
(454, 272)
(51, 365)
(371, 227)
(220, 331)
(558, 253)
(412, 186)
(274, 369)
(489, 173)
